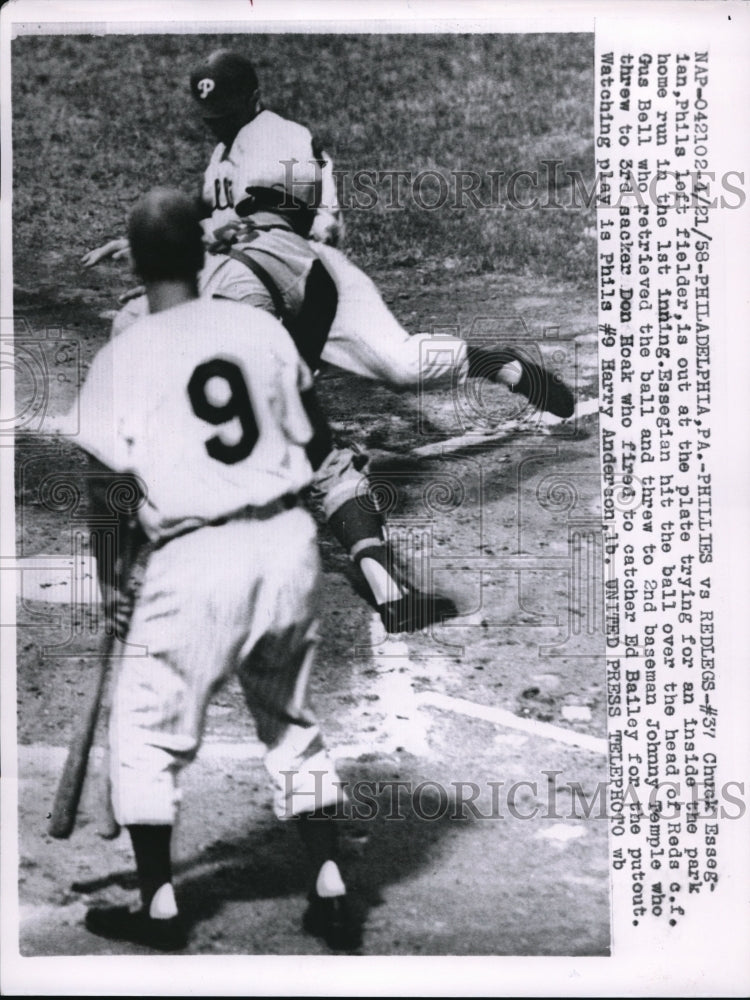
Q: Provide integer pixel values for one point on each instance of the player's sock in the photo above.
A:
(544, 389)
(499, 364)
(328, 914)
(382, 584)
(360, 531)
(151, 846)
(402, 607)
(157, 924)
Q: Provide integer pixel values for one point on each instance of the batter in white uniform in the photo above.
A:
(208, 403)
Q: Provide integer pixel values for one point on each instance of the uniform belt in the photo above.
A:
(249, 513)
(271, 509)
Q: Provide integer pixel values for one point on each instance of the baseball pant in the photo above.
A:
(367, 339)
(224, 599)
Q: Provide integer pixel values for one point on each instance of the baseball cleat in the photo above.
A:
(544, 390)
(415, 611)
(330, 918)
(118, 923)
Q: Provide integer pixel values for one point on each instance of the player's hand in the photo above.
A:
(132, 293)
(118, 249)
(327, 228)
(221, 240)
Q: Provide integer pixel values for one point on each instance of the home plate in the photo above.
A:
(539, 423)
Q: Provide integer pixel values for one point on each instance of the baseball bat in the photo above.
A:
(70, 786)
(116, 556)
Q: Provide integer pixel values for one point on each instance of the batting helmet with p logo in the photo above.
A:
(223, 83)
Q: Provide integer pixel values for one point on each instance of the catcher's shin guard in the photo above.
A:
(401, 606)
(359, 529)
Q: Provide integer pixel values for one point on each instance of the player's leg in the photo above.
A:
(307, 788)
(355, 519)
(143, 688)
(274, 672)
(159, 705)
(120, 580)
(341, 484)
(339, 481)
(367, 339)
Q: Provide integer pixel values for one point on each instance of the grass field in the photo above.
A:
(97, 120)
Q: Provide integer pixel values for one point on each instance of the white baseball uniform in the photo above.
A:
(202, 402)
(366, 338)
(272, 152)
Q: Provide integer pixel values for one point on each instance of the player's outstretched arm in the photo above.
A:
(118, 249)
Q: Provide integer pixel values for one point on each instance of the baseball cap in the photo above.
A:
(223, 79)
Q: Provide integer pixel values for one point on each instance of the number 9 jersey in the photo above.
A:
(202, 402)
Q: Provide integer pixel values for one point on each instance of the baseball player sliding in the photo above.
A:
(270, 197)
(208, 403)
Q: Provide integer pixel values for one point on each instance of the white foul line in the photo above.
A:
(43, 757)
(400, 703)
(401, 728)
(502, 717)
